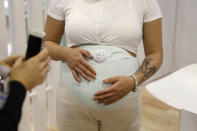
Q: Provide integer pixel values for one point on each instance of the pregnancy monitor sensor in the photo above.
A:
(99, 55)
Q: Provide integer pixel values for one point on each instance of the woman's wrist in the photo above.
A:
(139, 77)
(56, 52)
(64, 53)
(132, 84)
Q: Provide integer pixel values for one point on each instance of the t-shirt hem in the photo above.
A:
(123, 47)
(152, 18)
(55, 16)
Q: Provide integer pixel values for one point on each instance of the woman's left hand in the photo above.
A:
(121, 86)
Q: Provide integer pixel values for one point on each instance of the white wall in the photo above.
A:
(4, 34)
(186, 34)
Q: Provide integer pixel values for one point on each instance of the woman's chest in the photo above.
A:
(105, 20)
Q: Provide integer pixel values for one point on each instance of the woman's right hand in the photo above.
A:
(77, 63)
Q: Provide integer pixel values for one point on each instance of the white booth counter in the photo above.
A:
(179, 90)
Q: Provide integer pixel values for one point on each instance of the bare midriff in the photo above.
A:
(131, 53)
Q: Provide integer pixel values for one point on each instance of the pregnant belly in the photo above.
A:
(115, 62)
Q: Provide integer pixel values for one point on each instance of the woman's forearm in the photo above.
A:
(56, 52)
(149, 67)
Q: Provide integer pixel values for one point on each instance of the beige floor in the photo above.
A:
(156, 116)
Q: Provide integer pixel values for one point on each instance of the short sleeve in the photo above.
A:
(56, 10)
(152, 10)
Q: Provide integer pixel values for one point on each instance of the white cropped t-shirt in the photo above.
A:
(109, 22)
